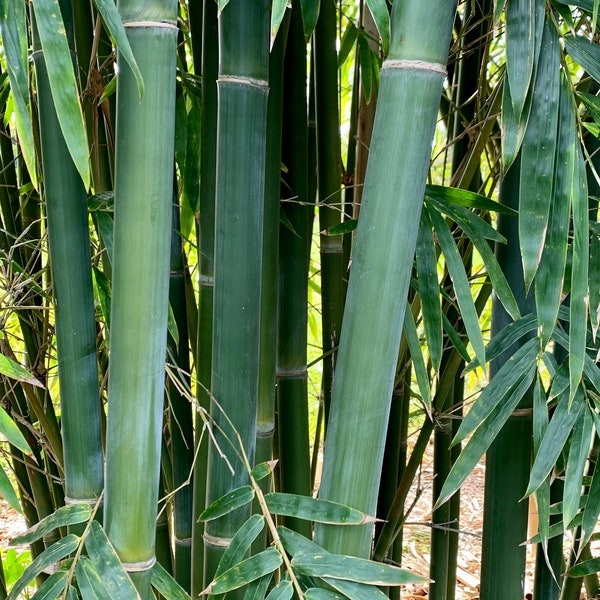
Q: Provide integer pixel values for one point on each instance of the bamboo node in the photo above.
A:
(522, 412)
(216, 541)
(420, 65)
(91, 501)
(138, 567)
(259, 83)
(162, 24)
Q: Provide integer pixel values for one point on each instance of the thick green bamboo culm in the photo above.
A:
(411, 78)
(139, 309)
(241, 154)
(69, 246)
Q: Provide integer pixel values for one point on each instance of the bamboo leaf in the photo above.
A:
(549, 282)
(578, 305)
(45, 560)
(559, 429)
(114, 24)
(12, 433)
(310, 14)
(347, 42)
(538, 155)
(7, 491)
(592, 506)
(585, 53)
(107, 563)
(315, 509)
(418, 361)
(13, 26)
(540, 425)
(364, 54)
(240, 543)
(89, 581)
(245, 572)
(462, 288)
(63, 85)
(277, 11)
(53, 587)
(258, 588)
(263, 470)
(520, 50)
(594, 283)
(513, 128)
(445, 195)
(71, 514)
(581, 438)
(484, 435)
(14, 370)
(164, 583)
(429, 291)
(381, 16)
(587, 567)
(319, 594)
(342, 228)
(228, 503)
(284, 590)
(337, 566)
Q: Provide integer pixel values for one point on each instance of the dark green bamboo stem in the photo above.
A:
(329, 181)
(207, 39)
(294, 248)
(241, 133)
(69, 246)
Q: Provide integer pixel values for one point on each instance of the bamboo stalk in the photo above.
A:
(143, 205)
(412, 78)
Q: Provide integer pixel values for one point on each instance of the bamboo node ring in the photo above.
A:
(259, 83)
(89, 501)
(163, 24)
(138, 567)
(216, 541)
(420, 65)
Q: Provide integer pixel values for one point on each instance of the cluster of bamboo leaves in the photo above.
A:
(163, 164)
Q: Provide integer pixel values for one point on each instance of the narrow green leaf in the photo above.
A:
(7, 491)
(277, 11)
(319, 594)
(559, 429)
(228, 503)
(89, 581)
(538, 155)
(469, 221)
(14, 370)
(550, 278)
(310, 14)
(480, 441)
(245, 572)
(284, 590)
(513, 129)
(258, 588)
(592, 507)
(294, 543)
(416, 354)
(315, 509)
(429, 290)
(240, 543)
(9, 429)
(13, 26)
(462, 288)
(347, 42)
(63, 84)
(594, 283)
(72, 514)
(53, 587)
(263, 470)
(587, 567)
(49, 557)
(585, 53)
(445, 194)
(381, 16)
(105, 560)
(520, 50)
(364, 54)
(578, 305)
(540, 424)
(360, 570)
(581, 438)
(114, 24)
(162, 581)
(342, 228)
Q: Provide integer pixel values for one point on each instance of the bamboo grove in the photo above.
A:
(255, 257)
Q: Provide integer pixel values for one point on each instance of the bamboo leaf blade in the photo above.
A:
(53, 587)
(164, 583)
(585, 53)
(88, 580)
(314, 509)
(12, 433)
(350, 568)
(284, 590)
(225, 504)
(14, 370)
(556, 435)
(448, 195)
(8, 492)
(418, 361)
(538, 155)
(57, 56)
(71, 514)
(381, 16)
